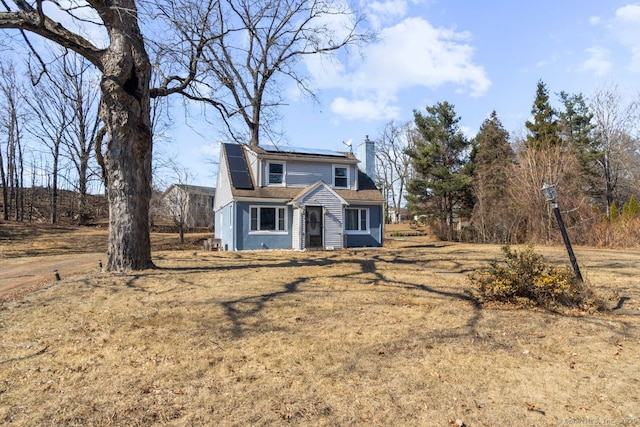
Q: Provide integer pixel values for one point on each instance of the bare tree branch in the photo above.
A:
(35, 21)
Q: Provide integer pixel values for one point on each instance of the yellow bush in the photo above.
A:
(524, 278)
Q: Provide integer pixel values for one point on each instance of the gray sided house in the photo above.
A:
(295, 198)
(190, 204)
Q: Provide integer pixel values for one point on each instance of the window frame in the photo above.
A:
(282, 183)
(346, 177)
(281, 216)
(359, 221)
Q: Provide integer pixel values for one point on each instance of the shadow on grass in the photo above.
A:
(240, 310)
(238, 316)
(243, 312)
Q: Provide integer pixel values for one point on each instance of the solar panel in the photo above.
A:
(240, 177)
(301, 150)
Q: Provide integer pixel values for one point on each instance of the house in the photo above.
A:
(296, 198)
(190, 205)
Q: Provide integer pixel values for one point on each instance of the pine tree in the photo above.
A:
(439, 155)
(544, 130)
(614, 213)
(577, 132)
(631, 210)
(493, 162)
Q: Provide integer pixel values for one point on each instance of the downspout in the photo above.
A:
(383, 221)
(234, 222)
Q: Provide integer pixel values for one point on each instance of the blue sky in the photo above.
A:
(479, 56)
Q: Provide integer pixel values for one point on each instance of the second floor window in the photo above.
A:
(276, 173)
(340, 176)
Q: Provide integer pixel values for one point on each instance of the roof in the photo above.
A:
(273, 152)
(367, 191)
(194, 189)
(370, 193)
(301, 195)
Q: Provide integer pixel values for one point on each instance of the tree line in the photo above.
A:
(47, 131)
(488, 188)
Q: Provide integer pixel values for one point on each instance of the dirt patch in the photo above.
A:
(25, 274)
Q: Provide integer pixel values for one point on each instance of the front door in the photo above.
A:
(313, 226)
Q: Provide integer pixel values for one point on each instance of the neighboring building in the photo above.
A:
(296, 198)
(190, 205)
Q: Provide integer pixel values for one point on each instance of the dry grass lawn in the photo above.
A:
(370, 337)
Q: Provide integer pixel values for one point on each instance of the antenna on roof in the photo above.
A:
(349, 144)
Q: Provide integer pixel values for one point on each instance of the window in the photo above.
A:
(276, 173)
(356, 220)
(268, 219)
(340, 176)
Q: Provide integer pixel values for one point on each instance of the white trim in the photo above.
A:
(368, 221)
(260, 200)
(365, 202)
(308, 191)
(284, 174)
(347, 168)
(284, 231)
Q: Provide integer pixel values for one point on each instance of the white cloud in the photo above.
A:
(597, 61)
(411, 54)
(364, 109)
(595, 20)
(383, 12)
(626, 28)
(548, 61)
(629, 13)
(325, 71)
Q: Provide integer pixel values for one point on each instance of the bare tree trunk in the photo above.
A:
(20, 181)
(10, 182)
(82, 190)
(53, 217)
(3, 181)
(125, 110)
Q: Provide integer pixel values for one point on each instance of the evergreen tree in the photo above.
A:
(439, 155)
(493, 162)
(544, 130)
(577, 132)
(632, 209)
(614, 213)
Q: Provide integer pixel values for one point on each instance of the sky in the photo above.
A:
(478, 56)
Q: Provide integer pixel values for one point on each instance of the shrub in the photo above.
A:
(525, 279)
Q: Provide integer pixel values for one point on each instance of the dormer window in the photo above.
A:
(275, 173)
(340, 177)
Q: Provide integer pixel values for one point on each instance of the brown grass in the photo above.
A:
(367, 337)
(31, 239)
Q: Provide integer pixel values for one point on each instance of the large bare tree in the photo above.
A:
(254, 43)
(125, 143)
(221, 52)
(81, 92)
(124, 109)
(52, 115)
(394, 168)
(12, 118)
(615, 120)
